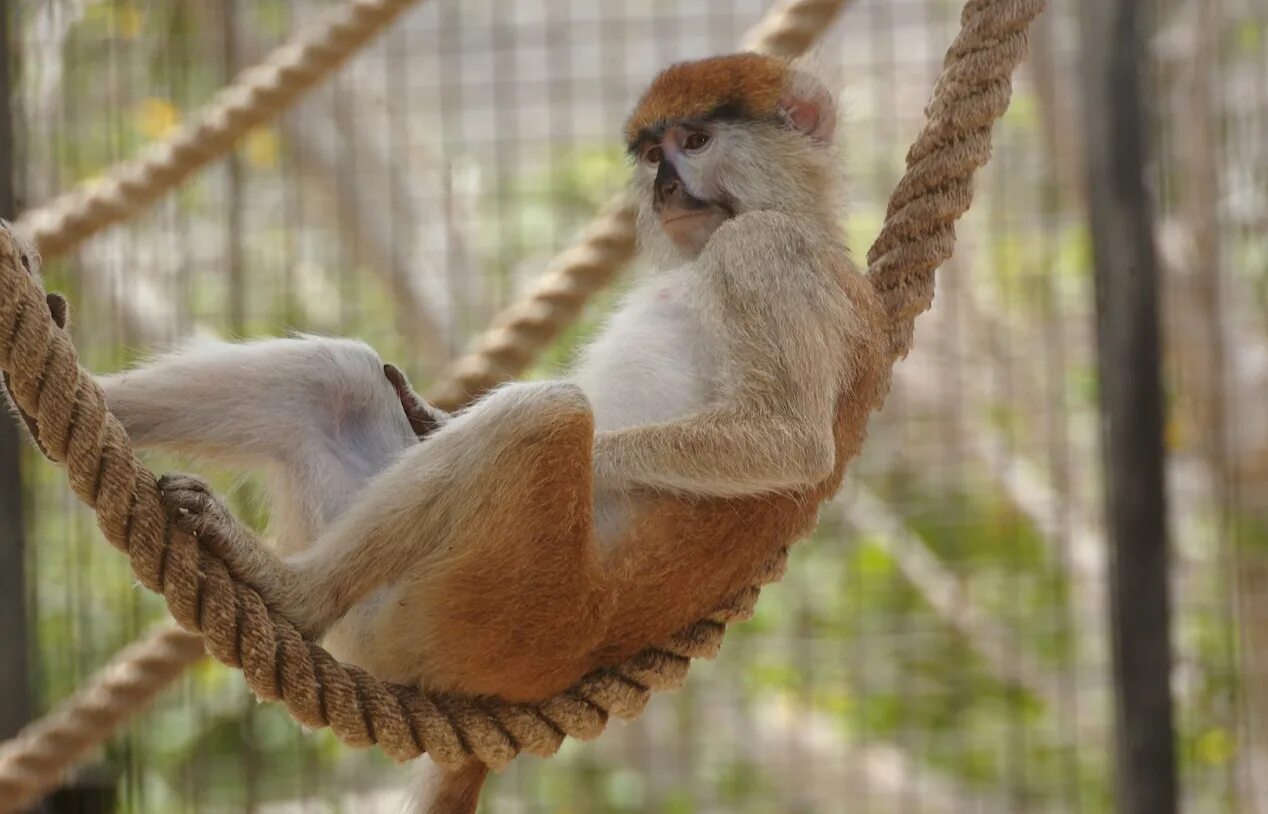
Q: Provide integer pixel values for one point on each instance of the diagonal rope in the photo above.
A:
(260, 94)
(41, 755)
(278, 664)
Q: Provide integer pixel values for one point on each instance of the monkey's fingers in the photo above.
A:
(191, 505)
(423, 418)
(193, 508)
(58, 308)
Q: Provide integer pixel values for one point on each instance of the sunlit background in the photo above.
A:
(942, 643)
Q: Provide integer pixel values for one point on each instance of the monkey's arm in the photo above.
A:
(782, 307)
(718, 453)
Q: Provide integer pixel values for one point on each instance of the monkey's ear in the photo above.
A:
(807, 106)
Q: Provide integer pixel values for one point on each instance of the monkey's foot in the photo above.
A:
(194, 509)
(423, 418)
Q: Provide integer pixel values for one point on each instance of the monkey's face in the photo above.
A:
(695, 174)
(681, 163)
(718, 137)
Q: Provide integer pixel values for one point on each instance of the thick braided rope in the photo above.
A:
(277, 663)
(973, 91)
(259, 95)
(36, 760)
(33, 764)
(520, 333)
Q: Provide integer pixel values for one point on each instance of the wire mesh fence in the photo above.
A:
(942, 642)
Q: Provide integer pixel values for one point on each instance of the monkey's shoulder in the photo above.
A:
(765, 241)
(775, 258)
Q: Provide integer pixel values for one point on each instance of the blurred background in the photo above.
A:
(942, 644)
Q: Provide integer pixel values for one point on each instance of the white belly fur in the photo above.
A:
(654, 361)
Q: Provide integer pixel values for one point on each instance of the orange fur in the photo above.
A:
(562, 613)
(750, 83)
(458, 791)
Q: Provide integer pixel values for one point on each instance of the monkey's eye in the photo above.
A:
(696, 141)
(653, 155)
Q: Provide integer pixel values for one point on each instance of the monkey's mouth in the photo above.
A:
(691, 227)
(691, 209)
(679, 217)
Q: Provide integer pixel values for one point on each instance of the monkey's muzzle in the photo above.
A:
(687, 219)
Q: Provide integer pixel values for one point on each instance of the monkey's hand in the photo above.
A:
(193, 508)
(423, 418)
(58, 309)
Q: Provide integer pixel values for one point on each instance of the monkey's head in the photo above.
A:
(717, 137)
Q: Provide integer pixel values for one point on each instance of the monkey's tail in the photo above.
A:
(436, 790)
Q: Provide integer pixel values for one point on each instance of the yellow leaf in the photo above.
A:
(128, 20)
(1215, 747)
(156, 117)
(260, 148)
(1175, 432)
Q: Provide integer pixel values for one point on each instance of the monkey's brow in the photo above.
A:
(650, 135)
(727, 111)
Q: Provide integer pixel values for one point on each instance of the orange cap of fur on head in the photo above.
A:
(742, 85)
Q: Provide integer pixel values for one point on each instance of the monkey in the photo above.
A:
(555, 527)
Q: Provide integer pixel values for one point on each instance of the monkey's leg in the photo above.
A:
(513, 467)
(492, 585)
(321, 413)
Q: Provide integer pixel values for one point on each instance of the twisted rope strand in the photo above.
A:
(973, 91)
(277, 663)
(260, 94)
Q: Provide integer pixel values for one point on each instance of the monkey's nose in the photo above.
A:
(666, 189)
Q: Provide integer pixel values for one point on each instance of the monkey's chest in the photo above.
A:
(655, 361)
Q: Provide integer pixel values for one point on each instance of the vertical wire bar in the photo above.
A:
(1128, 360)
(15, 688)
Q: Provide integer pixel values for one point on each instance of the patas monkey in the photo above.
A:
(555, 527)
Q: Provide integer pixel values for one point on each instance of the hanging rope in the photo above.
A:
(36, 761)
(260, 94)
(937, 188)
(75, 427)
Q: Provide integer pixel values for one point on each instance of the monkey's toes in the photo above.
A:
(189, 502)
(58, 308)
